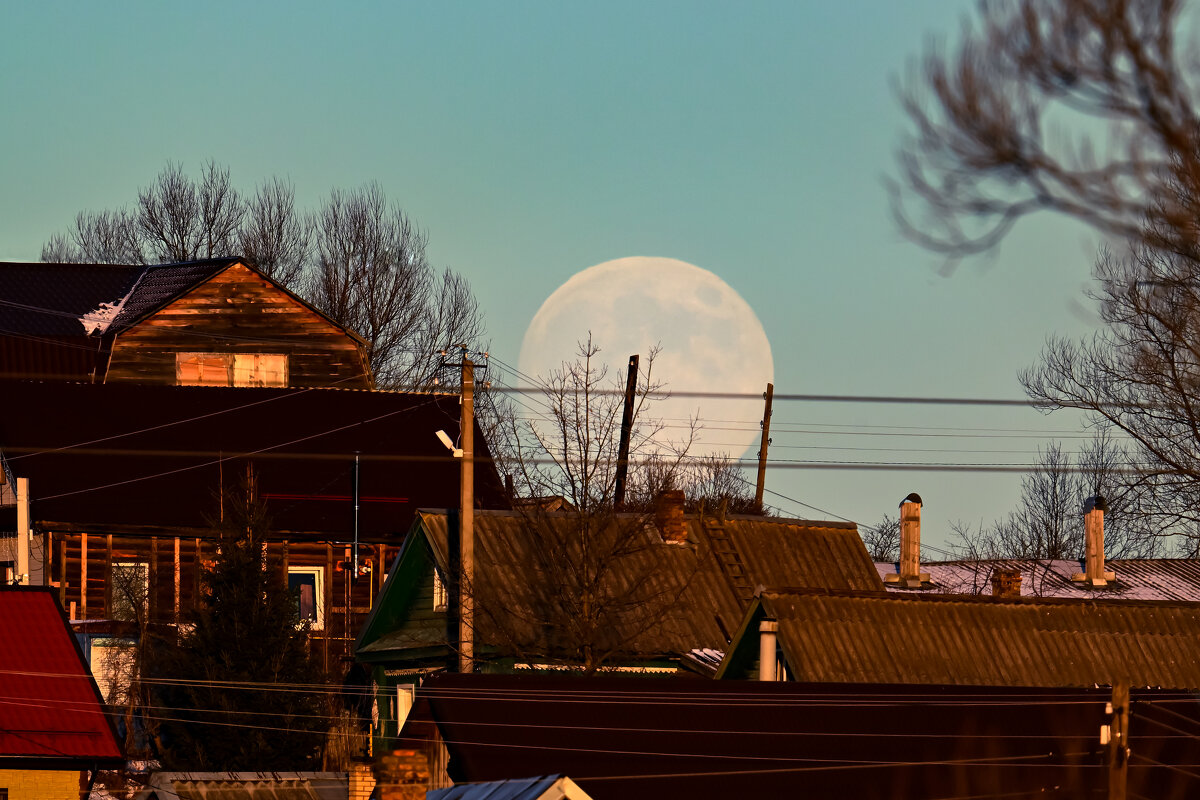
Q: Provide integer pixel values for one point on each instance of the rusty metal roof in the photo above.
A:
(1137, 578)
(984, 641)
(662, 599)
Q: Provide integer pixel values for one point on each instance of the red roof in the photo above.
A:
(50, 709)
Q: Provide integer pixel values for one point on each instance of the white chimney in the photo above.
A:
(23, 531)
(909, 575)
(767, 635)
(1094, 573)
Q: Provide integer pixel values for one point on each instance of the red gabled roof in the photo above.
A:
(50, 709)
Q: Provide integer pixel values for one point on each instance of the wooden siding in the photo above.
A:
(239, 311)
(66, 570)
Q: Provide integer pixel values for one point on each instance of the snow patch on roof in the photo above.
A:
(96, 323)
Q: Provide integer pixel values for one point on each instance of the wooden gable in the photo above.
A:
(238, 328)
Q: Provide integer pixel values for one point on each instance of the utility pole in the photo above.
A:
(626, 432)
(1118, 742)
(466, 524)
(762, 452)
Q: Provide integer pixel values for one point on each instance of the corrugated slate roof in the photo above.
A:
(985, 641)
(50, 708)
(663, 599)
(1137, 579)
(246, 786)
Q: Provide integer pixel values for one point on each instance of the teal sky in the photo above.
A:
(533, 140)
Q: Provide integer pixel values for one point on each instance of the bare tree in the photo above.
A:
(602, 580)
(1139, 376)
(1048, 521)
(1082, 107)
(274, 236)
(105, 237)
(372, 275)
(182, 220)
(359, 259)
(883, 539)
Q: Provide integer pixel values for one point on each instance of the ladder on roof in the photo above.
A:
(729, 559)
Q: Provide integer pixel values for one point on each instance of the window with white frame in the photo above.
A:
(231, 369)
(129, 590)
(441, 597)
(307, 587)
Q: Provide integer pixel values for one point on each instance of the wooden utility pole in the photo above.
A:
(626, 432)
(1118, 742)
(762, 453)
(466, 524)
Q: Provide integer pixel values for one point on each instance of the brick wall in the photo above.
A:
(35, 784)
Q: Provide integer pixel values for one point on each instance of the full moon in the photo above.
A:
(709, 340)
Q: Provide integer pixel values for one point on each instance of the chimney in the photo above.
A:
(1094, 574)
(668, 516)
(909, 575)
(402, 775)
(1006, 583)
(24, 533)
(767, 635)
(361, 779)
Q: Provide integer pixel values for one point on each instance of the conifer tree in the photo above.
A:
(239, 690)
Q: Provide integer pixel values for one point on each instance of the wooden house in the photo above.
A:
(128, 486)
(54, 732)
(218, 322)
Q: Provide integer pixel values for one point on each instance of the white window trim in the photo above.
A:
(318, 624)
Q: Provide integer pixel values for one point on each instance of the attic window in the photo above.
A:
(231, 369)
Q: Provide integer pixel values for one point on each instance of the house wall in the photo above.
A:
(176, 582)
(41, 784)
(254, 317)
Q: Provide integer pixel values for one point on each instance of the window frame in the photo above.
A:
(112, 594)
(318, 573)
(234, 369)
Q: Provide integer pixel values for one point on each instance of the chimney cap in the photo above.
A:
(912, 498)
(1095, 503)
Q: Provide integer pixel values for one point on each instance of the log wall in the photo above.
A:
(80, 565)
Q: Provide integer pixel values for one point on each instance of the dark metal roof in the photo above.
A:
(49, 299)
(50, 709)
(159, 284)
(662, 599)
(634, 738)
(984, 641)
(129, 457)
(1137, 578)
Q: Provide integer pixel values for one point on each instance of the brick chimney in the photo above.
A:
(402, 775)
(362, 779)
(668, 516)
(1006, 583)
(1094, 573)
(909, 575)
